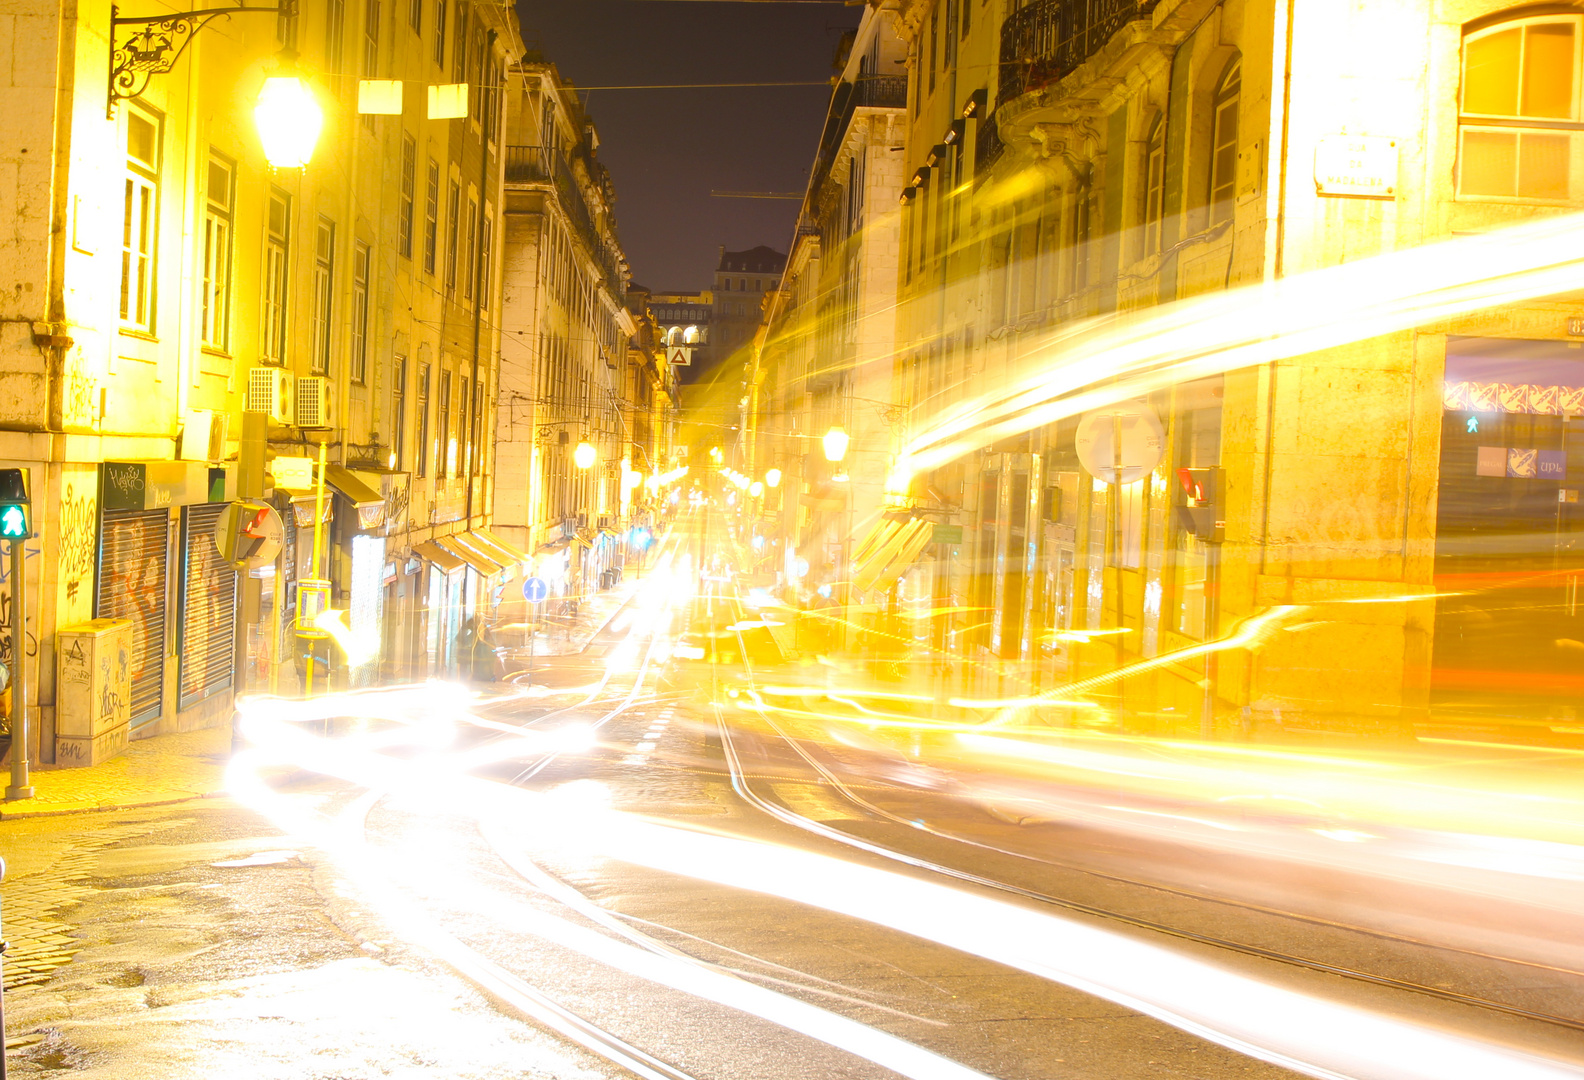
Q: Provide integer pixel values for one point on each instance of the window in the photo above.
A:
(1519, 121)
(440, 33)
(277, 251)
(415, 16)
(432, 217)
(323, 283)
(486, 265)
(445, 462)
(453, 228)
(478, 421)
(138, 227)
(726, 284)
(478, 80)
(459, 46)
(470, 271)
(1154, 185)
(422, 442)
(214, 305)
(371, 33)
(465, 426)
(1223, 142)
(404, 209)
(934, 46)
(398, 426)
(335, 24)
(360, 311)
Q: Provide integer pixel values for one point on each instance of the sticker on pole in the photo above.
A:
(535, 591)
(1142, 442)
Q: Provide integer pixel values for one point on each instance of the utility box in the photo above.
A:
(93, 691)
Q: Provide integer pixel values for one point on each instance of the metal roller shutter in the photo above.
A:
(207, 650)
(134, 549)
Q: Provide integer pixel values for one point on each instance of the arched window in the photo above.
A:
(1154, 184)
(1223, 141)
(726, 284)
(1519, 118)
(690, 336)
(672, 335)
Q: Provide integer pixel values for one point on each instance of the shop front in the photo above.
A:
(157, 519)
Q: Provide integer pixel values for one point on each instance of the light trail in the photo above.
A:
(1098, 362)
(1253, 1016)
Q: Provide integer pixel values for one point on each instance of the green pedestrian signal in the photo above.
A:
(14, 524)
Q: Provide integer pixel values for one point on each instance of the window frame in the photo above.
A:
(275, 281)
(214, 306)
(1154, 185)
(362, 276)
(432, 218)
(141, 216)
(323, 296)
(453, 231)
(1225, 103)
(425, 379)
(398, 443)
(1519, 125)
(407, 194)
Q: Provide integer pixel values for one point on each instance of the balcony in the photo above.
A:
(527, 165)
(540, 165)
(880, 92)
(1045, 40)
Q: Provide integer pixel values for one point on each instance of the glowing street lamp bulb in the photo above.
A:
(715, 452)
(756, 489)
(835, 444)
(584, 455)
(773, 478)
(289, 119)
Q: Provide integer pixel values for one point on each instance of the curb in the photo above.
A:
(100, 808)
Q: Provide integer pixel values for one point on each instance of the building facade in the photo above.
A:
(1074, 167)
(582, 385)
(167, 279)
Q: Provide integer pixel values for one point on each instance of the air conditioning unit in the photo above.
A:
(313, 401)
(271, 391)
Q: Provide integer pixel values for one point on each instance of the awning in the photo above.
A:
(370, 504)
(554, 547)
(512, 553)
(457, 546)
(584, 537)
(900, 548)
(911, 550)
(438, 556)
(881, 531)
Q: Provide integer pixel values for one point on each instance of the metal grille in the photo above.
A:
(207, 651)
(134, 550)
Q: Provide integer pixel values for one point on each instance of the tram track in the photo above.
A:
(742, 785)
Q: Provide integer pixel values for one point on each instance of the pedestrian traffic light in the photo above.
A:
(15, 521)
(248, 534)
(1201, 510)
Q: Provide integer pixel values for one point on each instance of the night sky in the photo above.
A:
(667, 149)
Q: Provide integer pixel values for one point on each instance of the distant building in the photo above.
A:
(686, 319)
(741, 280)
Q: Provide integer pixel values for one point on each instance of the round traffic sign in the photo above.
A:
(1142, 442)
(535, 591)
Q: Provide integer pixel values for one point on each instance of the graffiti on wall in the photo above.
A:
(77, 526)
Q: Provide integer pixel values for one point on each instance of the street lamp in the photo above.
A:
(289, 119)
(756, 489)
(584, 456)
(835, 444)
(773, 478)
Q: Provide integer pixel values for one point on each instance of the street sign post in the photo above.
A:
(536, 592)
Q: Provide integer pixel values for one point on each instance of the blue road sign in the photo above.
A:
(535, 591)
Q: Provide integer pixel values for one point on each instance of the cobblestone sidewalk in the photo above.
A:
(149, 772)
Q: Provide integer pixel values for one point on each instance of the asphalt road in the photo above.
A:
(426, 931)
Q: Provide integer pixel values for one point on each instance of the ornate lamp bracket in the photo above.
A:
(147, 45)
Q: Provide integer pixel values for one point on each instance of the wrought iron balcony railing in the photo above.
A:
(527, 165)
(881, 91)
(1046, 39)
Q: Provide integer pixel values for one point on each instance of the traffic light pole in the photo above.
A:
(20, 787)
